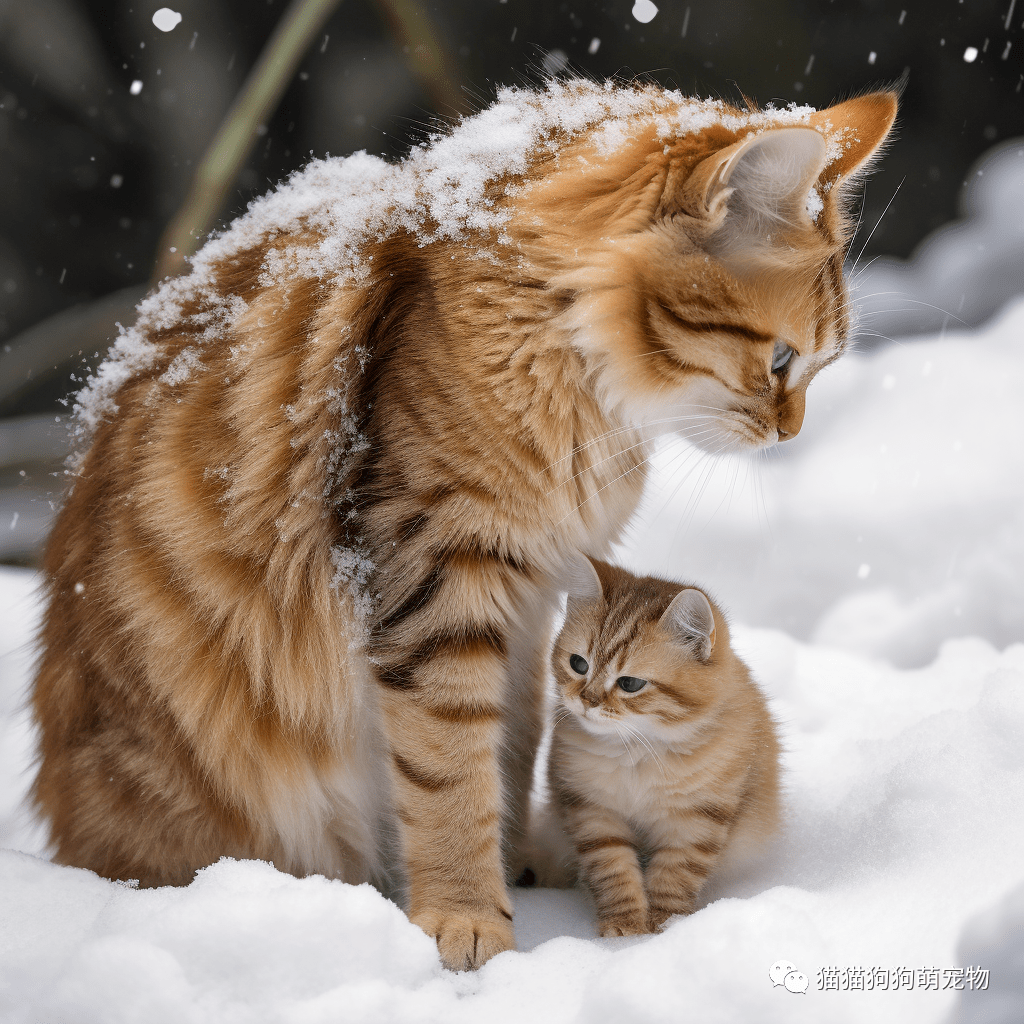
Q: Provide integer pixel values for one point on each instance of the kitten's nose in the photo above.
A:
(591, 699)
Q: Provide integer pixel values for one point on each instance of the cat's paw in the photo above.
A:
(622, 924)
(466, 942)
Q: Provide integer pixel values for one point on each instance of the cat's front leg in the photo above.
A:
(685, 849)
(440, 652)
(606, 850)
(448, 802)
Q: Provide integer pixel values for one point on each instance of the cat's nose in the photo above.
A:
(791, 416)
(592, 699)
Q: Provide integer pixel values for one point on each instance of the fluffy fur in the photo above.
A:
(664, 758)
(299, 596)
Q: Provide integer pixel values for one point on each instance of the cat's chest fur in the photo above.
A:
(636, 779)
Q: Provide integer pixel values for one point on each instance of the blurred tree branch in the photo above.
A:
(233, 142)
(427, 57)
(263, 89)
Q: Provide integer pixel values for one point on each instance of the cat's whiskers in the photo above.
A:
(678, 461)
(628, 428)
(853, 269)
(760, 504)
(706, 467)
(632, 469)
(593, 466)
(696, 417)
(693, 501)
(858, 273)
(897, 309)
(635, 733)
(700, 458)
(625, 745)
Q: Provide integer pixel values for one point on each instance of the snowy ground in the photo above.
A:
(875, 568)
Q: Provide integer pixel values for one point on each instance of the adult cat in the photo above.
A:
(299, 595)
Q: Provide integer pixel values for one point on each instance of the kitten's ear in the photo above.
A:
(760, 185)
(856, 131)
(690, 620)
(581, 579)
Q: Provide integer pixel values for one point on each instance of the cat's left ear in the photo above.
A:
(581, 579)
(762, 180)
(690, 620)
(758, 188)
(855, 131)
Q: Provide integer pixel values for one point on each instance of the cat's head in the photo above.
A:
(639, 655)
(706, 265)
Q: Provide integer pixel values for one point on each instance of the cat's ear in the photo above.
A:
(759, 186)
(856, 131)
(581, 579)
(690, 620)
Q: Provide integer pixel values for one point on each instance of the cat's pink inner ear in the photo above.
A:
(691, 622)
(581, 579)
(855, 131)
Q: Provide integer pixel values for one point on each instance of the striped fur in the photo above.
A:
(455, 420)
(656, 787)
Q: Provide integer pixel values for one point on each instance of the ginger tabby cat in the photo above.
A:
(299, 595)
(664, 758)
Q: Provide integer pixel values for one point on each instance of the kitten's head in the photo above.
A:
(640, 655)
(706, 261)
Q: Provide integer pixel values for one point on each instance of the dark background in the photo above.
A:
(90, 174)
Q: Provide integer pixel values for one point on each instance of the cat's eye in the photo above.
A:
(781, 355)
(630, 683)
(578, 665)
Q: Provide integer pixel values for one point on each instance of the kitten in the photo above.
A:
(664, 757)
(300, 595)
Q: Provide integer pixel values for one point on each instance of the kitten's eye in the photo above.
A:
(630, 683)
(781, 356)
(578, 665)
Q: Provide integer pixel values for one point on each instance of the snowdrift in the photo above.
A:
(875, 572)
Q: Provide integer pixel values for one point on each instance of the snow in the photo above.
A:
(900, 697)
(644, 11)
(815, 204)
(166, 20)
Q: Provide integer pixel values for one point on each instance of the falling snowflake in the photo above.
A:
(166, 20)
(644, 11)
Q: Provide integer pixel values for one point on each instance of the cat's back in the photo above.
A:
(193, 647)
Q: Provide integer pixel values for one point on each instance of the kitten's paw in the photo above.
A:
(622, 924)
(466, 942)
